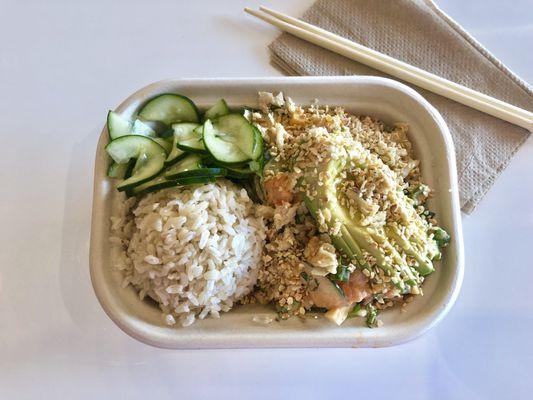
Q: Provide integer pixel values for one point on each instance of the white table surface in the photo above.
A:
(63, 64)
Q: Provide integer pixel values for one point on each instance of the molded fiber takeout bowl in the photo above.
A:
(382, 98)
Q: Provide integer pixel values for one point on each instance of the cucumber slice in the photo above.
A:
(257, 151)
(188, 137)
(167, 133)
(190, 162)
(203, 172)
(236, 129)
(170, 108)
(258, 166)
(187, 178)
(217, 110)
(192, 166)
(199, 131)
(165, 143)
(241, 173)
(193, 180)
(157, 183)
(150, 158)
(117, 171)
(140, 128)
(223, 146)
(232, 139)
(235, 171)
(118, 126)
(174, 156)
(181, 129)
(129, 171)
(160, 183)
(120, 171)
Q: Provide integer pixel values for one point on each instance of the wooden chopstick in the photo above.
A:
(386, 58)
(397, 68)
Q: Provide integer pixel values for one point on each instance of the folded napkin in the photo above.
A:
(419, 33)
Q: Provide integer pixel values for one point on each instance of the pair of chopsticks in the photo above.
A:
(397, 68)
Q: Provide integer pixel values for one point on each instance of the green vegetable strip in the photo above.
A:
(354, 312)
(371, 316)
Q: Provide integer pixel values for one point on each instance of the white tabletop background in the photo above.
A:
(63, 64)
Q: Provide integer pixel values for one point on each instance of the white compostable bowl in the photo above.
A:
(384, 99)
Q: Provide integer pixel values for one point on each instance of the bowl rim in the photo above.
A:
(127, 324)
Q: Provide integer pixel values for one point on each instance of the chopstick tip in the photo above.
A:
(251, 11)
(255, 13)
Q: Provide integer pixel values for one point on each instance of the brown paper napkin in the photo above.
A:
(417, 32)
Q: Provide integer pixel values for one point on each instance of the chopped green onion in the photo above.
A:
(343, 274)
(354, 312)
(420, 190)
(441, 236)
(371, 316)
(428, 214)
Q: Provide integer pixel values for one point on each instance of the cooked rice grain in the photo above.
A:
(195, 250)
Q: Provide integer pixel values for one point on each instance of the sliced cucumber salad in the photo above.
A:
(188, 170)
(217, 110)
(170, 108)
(187, 152)
(188, 137)
(120, 171)
(149, 155)
(118, 126)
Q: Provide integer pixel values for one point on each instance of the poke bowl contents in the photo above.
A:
(311, 210)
